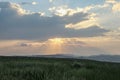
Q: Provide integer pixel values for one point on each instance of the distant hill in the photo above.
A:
(107, 58)
(56, 56)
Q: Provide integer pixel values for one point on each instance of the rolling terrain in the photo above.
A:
(39, 68)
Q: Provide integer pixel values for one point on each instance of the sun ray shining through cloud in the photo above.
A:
(77, 27)
(55, 46)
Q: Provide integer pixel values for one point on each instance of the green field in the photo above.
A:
(30, 68)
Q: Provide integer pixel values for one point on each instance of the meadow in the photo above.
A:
(36, 68)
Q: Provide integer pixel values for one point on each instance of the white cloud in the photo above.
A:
(28, 3)
(51, 0)
(12, 8)
(84, 24)
(18, 8)
(64, 10)
(107, 15)
(111, 1)
(34, 3)
(109, 19)
(81, 25)
(116, 7)
(60, 11)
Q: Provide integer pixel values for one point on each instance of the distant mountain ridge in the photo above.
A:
(107, 58)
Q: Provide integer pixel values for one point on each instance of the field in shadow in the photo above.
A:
(31, 68)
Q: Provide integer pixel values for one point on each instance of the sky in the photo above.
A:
(47, 27)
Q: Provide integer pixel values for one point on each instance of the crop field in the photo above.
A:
(34, 68)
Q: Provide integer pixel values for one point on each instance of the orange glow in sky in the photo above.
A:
(55, 45)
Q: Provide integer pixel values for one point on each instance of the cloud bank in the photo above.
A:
(17, 23)
(60, 29)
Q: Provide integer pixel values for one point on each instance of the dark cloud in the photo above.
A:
(24, 45)
(13, 25)
(25, 3)
(77, 17)
(4, 4)
(28, 3)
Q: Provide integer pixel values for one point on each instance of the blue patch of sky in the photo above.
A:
(78, 3)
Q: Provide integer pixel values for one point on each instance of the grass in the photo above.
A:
(31, 68)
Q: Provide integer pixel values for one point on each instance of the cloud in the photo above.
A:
(116, 7)
(106, 15)
(11, 9)
(17, 23)
(25, 3)
(111, 1)
(114, 34)
(64, 10)
(84, 24)
(51, 0)
(67, 46)
(24, 45)
(92, 31)
(4, 4)
(28, 3)
(34, 3)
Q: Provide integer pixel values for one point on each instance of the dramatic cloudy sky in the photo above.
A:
(78, 27)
